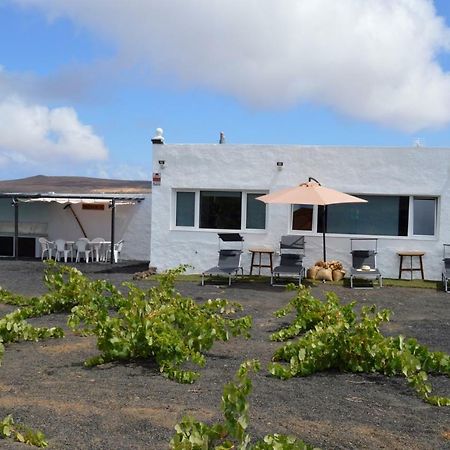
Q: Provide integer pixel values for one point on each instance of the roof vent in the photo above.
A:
(222, 138)
(158, 138)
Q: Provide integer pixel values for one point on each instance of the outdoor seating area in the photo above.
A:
(289, 267)
(83, 249)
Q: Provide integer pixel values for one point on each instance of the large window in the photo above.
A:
(220, 210)
(382, 215)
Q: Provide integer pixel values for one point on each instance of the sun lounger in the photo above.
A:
(364, 263)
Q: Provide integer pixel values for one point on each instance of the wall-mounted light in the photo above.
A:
(280, 165)
(162, 163)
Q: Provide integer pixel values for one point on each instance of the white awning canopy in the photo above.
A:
(65, 200)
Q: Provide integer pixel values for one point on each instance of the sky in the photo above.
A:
(85, 83)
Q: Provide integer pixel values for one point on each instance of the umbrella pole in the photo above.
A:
(324, 222)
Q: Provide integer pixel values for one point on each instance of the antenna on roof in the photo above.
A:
(222, 138)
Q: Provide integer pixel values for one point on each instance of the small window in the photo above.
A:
(185, 209)
(302, 217)
(220, 210)
(424, 216)
(256, 213)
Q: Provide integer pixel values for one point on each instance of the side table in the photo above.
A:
(261, 251)
(411, 269)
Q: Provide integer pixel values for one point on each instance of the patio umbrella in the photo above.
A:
(311, 193)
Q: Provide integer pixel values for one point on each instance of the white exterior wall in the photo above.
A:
(355, 170)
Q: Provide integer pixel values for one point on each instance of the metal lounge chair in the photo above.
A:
(292, 252)
(446, 267)
(229, 259)
(364, 262)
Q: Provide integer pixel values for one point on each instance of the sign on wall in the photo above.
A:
(93, 206)
(156, 179)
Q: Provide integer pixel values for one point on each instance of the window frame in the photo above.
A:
(314, 224)
(196, 226)
(411, 217)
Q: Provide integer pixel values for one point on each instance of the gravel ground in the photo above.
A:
(130, 406)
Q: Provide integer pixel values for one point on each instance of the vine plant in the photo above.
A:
(66, 288)
(159, 324)
(334, 339)
(232, 433)
(21, 433)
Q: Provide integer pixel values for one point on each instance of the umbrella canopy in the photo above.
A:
(311, 193)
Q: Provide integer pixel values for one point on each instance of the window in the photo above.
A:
(185, 209)
(256, 213)
(424, 220)
(382, 215)
(220, 210)
(302, 217)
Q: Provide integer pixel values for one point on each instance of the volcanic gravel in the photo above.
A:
(131, 406)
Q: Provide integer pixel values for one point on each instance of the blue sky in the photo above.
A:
(84, 84)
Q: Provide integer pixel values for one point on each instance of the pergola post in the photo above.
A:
(113, 219)
(16, 228)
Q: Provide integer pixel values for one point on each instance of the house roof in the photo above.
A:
(74, 185)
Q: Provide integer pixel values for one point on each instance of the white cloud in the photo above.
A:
(37, 134)
(370, 59)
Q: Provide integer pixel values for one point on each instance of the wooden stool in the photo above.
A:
(410, 269)
(261, 251)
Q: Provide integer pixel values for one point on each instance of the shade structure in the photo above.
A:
(311, 193)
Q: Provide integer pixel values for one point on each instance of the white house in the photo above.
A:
(72, 207)
(202, 189)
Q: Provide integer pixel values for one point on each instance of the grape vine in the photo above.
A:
(334, 339)
(159, 324)
(232, 433)
(21, 433)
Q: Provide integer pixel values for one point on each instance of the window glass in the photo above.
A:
(256, 213)
(185, 209)
(424, 216)
(220, 210)
(381, 215)
(302, 217)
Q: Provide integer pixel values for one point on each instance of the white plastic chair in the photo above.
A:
(61, 250)
(82, 249)
(97, 246)
(46, 247)
(117, 249)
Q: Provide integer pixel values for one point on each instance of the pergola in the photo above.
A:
(111, 200)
